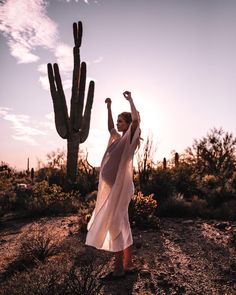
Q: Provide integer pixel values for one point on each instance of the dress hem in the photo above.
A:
(107, 250)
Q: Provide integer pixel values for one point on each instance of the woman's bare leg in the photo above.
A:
(118, 268)
(127, 262)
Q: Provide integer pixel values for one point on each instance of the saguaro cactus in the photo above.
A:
(73, 127)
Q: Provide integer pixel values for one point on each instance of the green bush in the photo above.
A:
(85, 212)
(174, 206)
(47, 199)
(160, 184)
(142, 211)
(184, 180)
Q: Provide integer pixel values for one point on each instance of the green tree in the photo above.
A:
(214, 155)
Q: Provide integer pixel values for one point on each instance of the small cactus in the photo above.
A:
(27, 170)
(73, 127)
(164, 164)
(32, 174)
(176, 160)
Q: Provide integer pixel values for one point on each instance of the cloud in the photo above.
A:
(64, 57)
(43, 80)
(4, 111)
(49, 123)
(24, 23)
(85, 1)
(25, 138)
(27, 27)
(21, 125)
(98, 60)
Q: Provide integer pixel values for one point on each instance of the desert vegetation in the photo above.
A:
(194, 187)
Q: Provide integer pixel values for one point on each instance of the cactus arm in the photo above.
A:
(76, 83)
(77, 33)
(87, 113)
(51, 81)
(59, 101)
(78, 110)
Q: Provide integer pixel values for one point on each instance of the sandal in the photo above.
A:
(111, 277)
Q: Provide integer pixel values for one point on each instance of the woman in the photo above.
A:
(109, 228)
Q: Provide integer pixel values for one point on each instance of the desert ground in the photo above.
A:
(180, 257)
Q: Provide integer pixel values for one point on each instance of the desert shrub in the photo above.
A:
(85, 213)
(197, 207)
(184, 180)
(47, 199)
(174, 206)
(41, 280)
(227, 211)
(59, 277)
(7, 194)
(87, 177)
(160, 184)
(35, 248)
(210, 182)
(214, 193)
(7, 200)
(232, 182)
(84, 278)
(142, 211)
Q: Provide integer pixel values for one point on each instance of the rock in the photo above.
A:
(177, 240)
(222, 225)
(147, 245)
(145, 273)
(138, 245)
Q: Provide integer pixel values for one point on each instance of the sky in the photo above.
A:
(177, 57)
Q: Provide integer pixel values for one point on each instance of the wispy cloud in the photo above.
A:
(26, 27)
(85, 1)
(21, 125)
(49, 123)
(98, 60)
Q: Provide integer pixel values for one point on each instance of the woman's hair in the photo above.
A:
(127, 117)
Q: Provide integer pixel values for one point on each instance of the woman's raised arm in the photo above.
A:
(134, 112)
(109, 113)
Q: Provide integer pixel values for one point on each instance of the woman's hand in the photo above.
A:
(108, 102)
(127, 95)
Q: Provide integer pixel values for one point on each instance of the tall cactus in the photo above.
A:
(73, 127)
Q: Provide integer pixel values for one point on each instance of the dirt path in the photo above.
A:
(182, 257)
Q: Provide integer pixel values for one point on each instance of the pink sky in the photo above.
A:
(176, 56)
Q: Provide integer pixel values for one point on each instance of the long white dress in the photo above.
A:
(109, 227)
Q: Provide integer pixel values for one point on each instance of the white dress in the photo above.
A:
(109, 227)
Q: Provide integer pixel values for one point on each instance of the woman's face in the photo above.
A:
(122, 126)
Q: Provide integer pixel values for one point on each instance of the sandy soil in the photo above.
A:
(181, 257)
